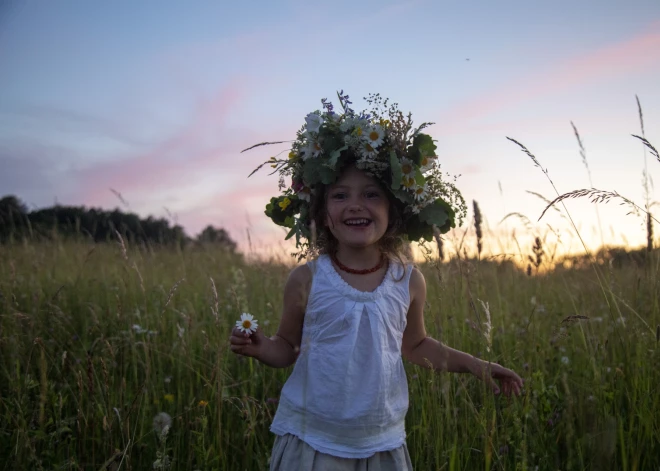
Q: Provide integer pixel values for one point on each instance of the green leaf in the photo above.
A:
(422, 145)
(439, 214)
(425, 144)
(331, 142)
(416, 230)
(315, 171)
(435, 213)
(312, 171)
(334, 156)
(291, 233)
(419, 178)
(397, 174)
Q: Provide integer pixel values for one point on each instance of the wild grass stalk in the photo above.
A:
(477, 227)
(583, 155)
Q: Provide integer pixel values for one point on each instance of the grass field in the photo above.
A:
(117, 358)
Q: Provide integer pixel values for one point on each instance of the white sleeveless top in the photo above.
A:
(348, 393)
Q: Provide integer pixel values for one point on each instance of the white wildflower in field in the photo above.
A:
(162, 463)
(162, 423)
(247, 323)
(137, 328)
(565, 360)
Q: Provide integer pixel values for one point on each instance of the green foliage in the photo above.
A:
(422, 146)
(98, 225)
(439, 214)
(395, 165)
(282, 210)
(93, 345)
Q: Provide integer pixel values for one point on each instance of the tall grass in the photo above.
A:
(97, 341)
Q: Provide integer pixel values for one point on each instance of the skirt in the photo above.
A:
(292, 454)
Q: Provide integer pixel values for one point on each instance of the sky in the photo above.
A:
(154, 101)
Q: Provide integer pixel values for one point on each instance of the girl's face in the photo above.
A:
(357, 209)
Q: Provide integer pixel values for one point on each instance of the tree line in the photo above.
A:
(18, 223)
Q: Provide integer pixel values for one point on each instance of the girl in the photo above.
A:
(355, 310)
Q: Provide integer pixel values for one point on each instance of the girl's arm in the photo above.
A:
(425, 351)
(280, 350)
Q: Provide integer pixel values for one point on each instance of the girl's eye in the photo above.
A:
(372, 194)
(339, 196)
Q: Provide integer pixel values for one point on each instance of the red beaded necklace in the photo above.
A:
(354, 271)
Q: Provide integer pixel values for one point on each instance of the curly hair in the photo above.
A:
(392, 244)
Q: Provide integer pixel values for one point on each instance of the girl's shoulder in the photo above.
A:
(302, 274)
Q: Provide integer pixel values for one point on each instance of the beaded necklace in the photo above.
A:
(354, 271)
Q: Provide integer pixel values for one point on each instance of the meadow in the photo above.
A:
(115, 356)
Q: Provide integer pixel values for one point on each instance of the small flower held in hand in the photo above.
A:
(247, 323)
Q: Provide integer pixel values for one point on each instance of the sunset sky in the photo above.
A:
(156, 99)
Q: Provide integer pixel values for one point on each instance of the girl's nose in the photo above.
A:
(354, 206)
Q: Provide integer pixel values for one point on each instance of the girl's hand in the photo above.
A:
(246, 344)
(509, 381)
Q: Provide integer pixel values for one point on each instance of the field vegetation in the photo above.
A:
(114, 355)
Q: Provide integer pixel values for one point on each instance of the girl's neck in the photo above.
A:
(359, 257)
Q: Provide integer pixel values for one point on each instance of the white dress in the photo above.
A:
(348, 394)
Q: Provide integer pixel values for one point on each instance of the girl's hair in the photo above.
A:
(391, 244)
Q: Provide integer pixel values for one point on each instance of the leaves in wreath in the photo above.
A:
(283, 217)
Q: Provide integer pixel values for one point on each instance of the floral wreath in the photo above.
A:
(381, 142)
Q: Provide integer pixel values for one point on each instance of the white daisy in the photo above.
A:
(421, 192)
(313, 149)
(247, 323)
(415, 208)
(407, 167)
(367, 150)
(374, 135)
(348, 123)
(360, 129)
(428, 162)
(355, 126)
(409, 182)
(314, 122)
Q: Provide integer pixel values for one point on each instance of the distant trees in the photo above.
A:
(17, 223)
(211, 235)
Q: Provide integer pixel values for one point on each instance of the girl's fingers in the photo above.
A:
(493, 385)
(236, 332)
(241, 349)
(239, 340)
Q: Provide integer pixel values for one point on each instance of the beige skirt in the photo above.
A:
(292, 454)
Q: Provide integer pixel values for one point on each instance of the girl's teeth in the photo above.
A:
(357, 222)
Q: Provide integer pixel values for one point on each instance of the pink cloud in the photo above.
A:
(632, 56)
(232, 206)
(168, 162)
(239, 211)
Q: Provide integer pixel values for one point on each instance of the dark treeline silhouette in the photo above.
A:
(18, 223)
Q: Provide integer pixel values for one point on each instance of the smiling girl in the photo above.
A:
(356, 310)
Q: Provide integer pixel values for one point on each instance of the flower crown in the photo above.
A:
(381, 142)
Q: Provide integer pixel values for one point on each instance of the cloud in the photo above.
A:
(235, 208)
(176, 159)
(36, 119)
(28, 173)
(632, 56)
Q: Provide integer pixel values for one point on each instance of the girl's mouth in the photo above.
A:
(357, 222)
